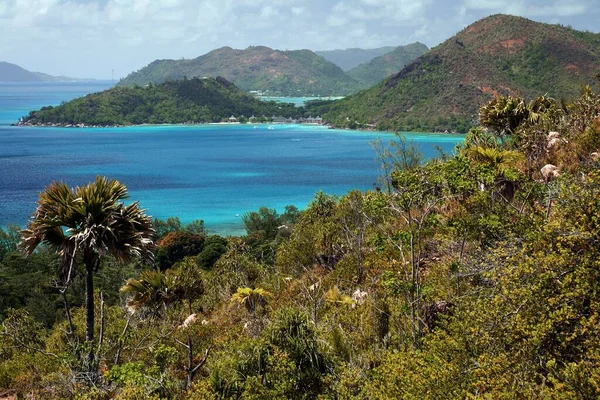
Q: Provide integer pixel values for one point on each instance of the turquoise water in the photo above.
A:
(297, 101)
(210, 172)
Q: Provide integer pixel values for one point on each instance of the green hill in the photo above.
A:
(289, 73)
(350, 58)
(500, 54)
(388, 64)
(190, 100)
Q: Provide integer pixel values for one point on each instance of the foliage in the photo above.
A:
(250, 298)
(470, 276)
(173, 224)
(214, 247)
(175, 246)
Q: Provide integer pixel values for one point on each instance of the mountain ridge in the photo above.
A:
(497, 55)
(350, 58)
(256, 68)
(381, 67)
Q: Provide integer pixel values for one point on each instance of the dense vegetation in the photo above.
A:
(275, 72)
(474, 275)
(185, 101)
(498, 55)
(349, 58)
(379, 68)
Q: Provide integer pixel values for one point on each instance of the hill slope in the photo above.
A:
(350, 58)
(193, 100)
(291, 73)
(13, 73)
(388, 64)
(499, 54)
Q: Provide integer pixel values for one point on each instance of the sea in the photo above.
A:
(211, 172)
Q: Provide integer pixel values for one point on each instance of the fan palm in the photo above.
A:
(505, 114)
(251, 299)
(90, 221)
(498, 159)
(152, 290)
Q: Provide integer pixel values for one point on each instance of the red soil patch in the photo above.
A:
(489, 90)
(572, 68)
(512, 45)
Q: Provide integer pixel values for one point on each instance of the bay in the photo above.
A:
(210, 172)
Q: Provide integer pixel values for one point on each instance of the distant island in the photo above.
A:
(498, 55)
(14, 73)
(440, 90)
(262, 70)
(197, 100)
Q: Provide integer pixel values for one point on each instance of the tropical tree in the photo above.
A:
(505, 115)
(500, 160)
(90, 221)
(153, 290)
(251, 299)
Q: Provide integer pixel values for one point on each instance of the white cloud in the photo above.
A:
(92, 37)
(546, 8)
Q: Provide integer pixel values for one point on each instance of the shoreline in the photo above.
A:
(62, 125)
(329, 126)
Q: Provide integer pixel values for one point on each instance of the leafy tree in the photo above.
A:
(251, 299)
(214, 247)
(263, 222)
(175, 246)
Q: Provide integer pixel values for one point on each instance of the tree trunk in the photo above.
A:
(89, 305)
(190, 368)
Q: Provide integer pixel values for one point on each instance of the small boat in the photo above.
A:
(271, 127)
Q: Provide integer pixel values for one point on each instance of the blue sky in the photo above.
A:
(90, 38)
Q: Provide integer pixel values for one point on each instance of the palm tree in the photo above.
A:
(251, 299)
(505, 114)
(91, 221)
(153, 290)
(498, 159)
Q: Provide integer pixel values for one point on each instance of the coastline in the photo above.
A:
(329, 126)
(62, 125)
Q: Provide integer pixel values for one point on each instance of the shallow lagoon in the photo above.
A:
(210, 172)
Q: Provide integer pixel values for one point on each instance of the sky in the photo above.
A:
(91, 38)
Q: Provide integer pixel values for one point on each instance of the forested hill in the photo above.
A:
(381, 67)
(499, 54)
(189, 100)
(289, 73)
(349, 58)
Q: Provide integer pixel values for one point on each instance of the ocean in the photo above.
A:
(210, 172)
